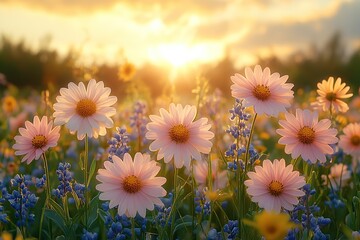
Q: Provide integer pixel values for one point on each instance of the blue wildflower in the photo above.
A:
(22, 200)
(232, 229)
(65, 178)
(118, 143)
(79, 189)
(308, 219)
(40, 182)
(89, 235)
(202, 205)
(214, 235)
(138, 121)
(334, 201)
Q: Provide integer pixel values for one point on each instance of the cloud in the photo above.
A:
(241, 27)
(281, 38)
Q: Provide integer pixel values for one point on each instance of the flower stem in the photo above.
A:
(133, 237)
(249, 142)
(193, 202)
(66, 208)
(48, 192)
(48, 195)
(86, 160)
(174, 209)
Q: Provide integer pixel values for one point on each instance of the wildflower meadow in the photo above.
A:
(261, 162)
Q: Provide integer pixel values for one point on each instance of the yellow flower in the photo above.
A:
(264, 135)
(257, 162)
(9, 104)
(342, 120)
(273, 226)
(217, 195)
(126, 71)
(6, 236)
(330, 95)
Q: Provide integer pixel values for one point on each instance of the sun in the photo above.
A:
(179, 55)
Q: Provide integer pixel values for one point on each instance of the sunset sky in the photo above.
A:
(180, 32)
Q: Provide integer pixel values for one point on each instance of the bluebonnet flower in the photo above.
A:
(239, 131)
(212, 104)
(37, 172)
(89, 235)
(232, 229)
(162, 215)
(119, 227)
(65, 178)
(40, 182)
(79, 189)
(118, 143)
(308, 219)
(22, 200)
(334, 201)
(71, 152)
(138, 121)
(163, 212)
(3, 215)
(214, 235)
(202, 205)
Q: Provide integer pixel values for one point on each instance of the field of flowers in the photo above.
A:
(263, 163)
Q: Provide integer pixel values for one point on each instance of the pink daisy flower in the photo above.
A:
(304, 135)
(86, 111)
(330, 93)
(177, 136)
(130, 185)
(350, 141)
(268, 93)
(275, 185)
(35, 139)
(339, 176)
(201, 171)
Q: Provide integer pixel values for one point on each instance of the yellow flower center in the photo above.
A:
(276, 188)
(306, 135)
(132, 184)
(355, 140)
(179, 133)
(331, 96)
(271, 229)
(85, 108)
(39, 141)
(261, 92)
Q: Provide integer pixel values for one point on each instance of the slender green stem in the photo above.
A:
(249, 142)
(48, 194)
(210, 178)
(41, 222)
(193, 202)
(66, 208)
(86, 162)
(241, 179)
(174, 206)
(133, 237)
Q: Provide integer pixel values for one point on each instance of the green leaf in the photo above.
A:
(102, 214)
(58, 209)
(94, 205)
(61, 237)
(77, 200)
(92, 171)
(184, 222)
(56, 218)
(78, 215)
